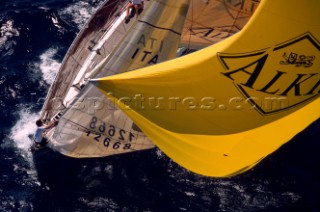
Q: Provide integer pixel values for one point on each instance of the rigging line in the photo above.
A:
(190, 29)
(117, 10)
(80, 127)
(234, 22)
(171, 30)
(236, 18)
(112, 12)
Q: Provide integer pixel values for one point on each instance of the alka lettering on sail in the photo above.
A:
(294, 79)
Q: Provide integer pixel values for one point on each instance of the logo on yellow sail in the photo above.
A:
(297, 60)
(290, 70)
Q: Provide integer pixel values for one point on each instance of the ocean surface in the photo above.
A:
(34, 36)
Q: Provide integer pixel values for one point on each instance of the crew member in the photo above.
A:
(39, 139)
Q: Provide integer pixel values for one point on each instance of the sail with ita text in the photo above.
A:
(92, 125)
(221, 110)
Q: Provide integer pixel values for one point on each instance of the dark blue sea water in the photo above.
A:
(34, 36)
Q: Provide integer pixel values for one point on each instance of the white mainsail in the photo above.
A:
(91, 125)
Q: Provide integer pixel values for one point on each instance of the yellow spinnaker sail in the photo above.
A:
(221, 110)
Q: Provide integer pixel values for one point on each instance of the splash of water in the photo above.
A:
(22, 130)
(79, 13)
(7, 32)
(49, 66)
(25, 126)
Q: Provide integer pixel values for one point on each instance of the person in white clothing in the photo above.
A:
(39, 139)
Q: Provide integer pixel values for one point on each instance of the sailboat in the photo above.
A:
(221, 110)
(90, 124)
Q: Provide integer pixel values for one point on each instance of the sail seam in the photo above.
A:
(171, 30)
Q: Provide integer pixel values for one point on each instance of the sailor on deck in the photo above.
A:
(134, 5)
(38, 135)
